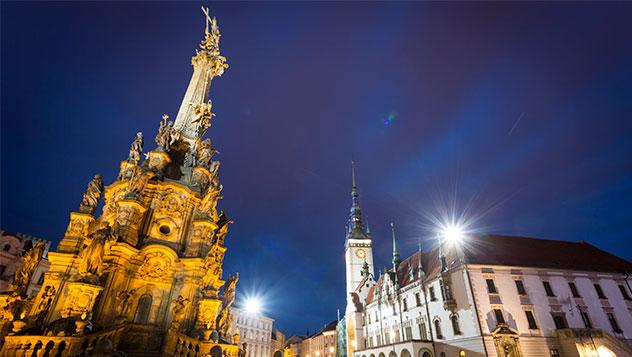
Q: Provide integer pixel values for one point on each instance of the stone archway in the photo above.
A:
(404, 353)
(392, 354)
(425, 353)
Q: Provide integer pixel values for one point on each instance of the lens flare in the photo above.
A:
(253, 305)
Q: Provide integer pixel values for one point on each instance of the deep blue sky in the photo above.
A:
(521, 112)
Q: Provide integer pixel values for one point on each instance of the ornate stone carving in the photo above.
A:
(136, 149)
(202, 121)
(179, 308)
(210, 48)
(80, 299)
(212, 268)
(169, 203)
(138, 183)
(222, 228)
(22, 276)
(165, 134)
(45, 301)
(205, 153)
(224, 318)
(156, 267)
(92, 195)
(208, 205)
(91, 263)
(124, 299)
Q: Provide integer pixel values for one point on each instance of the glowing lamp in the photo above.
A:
(253, 305)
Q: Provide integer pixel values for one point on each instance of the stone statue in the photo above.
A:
(92, 195)
(215, 172)
(165, 133)
(91, 264)
(138, 182)
(222, 228)
(205, 153)
(208, 205)
(22, 276)
(212, 267)
(136, 149)
(46, 299)
(179, 307)
(124, 298)
(229, 291)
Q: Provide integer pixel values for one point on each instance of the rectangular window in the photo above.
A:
(573, 288)
(500, 319)
(405, 304)
(433, 297)
(422, 331)
(599, 291)
(624, 293)
(491, 287)
(442, 288)
(560, 320)
(531, 320)
(409, 333)
(456, 329)
(586, 319)
(387, 338)
(613, 323)
(520, 287)
(437, 325)
(417, 299)
(548, 289)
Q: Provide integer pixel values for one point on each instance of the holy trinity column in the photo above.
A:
(146, 274)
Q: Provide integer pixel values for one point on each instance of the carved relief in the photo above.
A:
(80, 300)
(156, 267)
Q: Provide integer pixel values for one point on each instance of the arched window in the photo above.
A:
(437, 325)
(143, 309)
(455, 325)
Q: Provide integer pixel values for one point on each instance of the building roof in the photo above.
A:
(543, 253)
(510, 251)
(328, 327)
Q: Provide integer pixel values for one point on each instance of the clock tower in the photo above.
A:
(358, 246)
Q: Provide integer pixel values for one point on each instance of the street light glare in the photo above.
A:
(453, 233)
(253, 305)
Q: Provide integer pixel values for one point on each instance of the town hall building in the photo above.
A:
(492, 295)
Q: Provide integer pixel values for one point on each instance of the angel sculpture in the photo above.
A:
(92, 195)
(205, 153)
(208, 205)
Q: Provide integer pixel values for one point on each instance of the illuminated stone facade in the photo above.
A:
(146, 274)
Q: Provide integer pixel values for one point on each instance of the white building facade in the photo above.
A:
(256, 331)
(501, 296)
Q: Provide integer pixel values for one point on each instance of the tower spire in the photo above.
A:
(396, 258)
(194, 115)
(356, 228)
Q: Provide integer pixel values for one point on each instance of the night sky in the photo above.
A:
(518, 114)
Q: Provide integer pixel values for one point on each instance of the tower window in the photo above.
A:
(456, 329)
(417, 299)
(624, 293)
(613, 323)
(531, 320)
(520, 287)
(438, 329)
(548, 289)
(491, 287)
(599, 291)
(573, 288)
(431, 291)
(405, 304)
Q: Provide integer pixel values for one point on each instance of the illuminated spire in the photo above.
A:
(396, 258)
(355, 227)
(194, 116)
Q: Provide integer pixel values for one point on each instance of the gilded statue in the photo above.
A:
(208, 205)
(136, 149)
(203, 116)
(92, 195)
(22, 276)
(179, 307)
(91, 263)
(205, 153)
(165, 134)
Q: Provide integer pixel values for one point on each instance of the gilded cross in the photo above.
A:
(208, 18)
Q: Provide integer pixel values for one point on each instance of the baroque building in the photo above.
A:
(145, 275)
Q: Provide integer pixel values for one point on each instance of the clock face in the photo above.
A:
(360, 253)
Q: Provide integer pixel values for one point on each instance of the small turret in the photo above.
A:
(396, 258)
